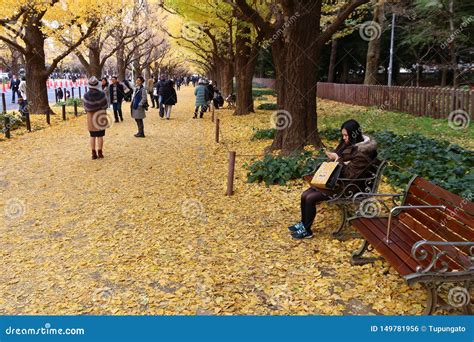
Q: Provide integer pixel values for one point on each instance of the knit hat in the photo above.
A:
(94, 83)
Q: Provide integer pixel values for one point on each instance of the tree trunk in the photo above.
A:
(245, 61)
(36, 72)
(16, 57)
(345, 71)
(95, 68)
(373, 50)
(332, 61)
(227, 75)
(444, 76)
(297, 75)
(121, 67)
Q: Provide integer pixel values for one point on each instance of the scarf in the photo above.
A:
(138, 97)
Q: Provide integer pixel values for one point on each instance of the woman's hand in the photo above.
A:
(332, 155)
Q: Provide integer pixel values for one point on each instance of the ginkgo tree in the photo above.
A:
(296, 31)
(27, 25)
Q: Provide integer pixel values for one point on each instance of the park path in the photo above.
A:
(148, 230)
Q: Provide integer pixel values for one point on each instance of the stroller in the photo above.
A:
(230, 101)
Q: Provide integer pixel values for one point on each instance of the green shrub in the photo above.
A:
(263, 134)
(70, 102)
(444, 164)
(15, 120)
(268, 106)
(260, 92)
(279, 169)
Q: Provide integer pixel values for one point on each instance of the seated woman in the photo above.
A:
(355, 152)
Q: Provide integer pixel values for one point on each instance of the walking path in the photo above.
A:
(148, 230)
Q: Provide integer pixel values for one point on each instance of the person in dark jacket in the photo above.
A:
(159, 90)
(117, 94)
(169, 98)
(218, 99)
(14, 86)
(210, 91)
(60, 94)
(354, 152)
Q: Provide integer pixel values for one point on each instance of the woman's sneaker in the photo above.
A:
(295, 227)
(302, 234)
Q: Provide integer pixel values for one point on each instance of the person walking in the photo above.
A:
(105, 89)
(202, 94)
(150, 83)
(22, 88)
(139, 105)
(116, 93)
(14, 85)
(159, 88)
(169, 98)
(95, 105)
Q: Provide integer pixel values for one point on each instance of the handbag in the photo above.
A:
(326, 176)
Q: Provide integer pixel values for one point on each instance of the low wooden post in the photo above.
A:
(48, 117)
(217, 130)
(64, 111)
(6, 126)
(230, 174)
(80, 95)
(212, 113)
(72, 92)
(75, 107)
(65, 95)
(4, 103)
(28, 121)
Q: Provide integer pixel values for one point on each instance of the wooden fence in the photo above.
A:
(431, 102)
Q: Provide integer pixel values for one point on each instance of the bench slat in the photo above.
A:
(432, 219)
(455, 200)
(453, 212)
(392, 253)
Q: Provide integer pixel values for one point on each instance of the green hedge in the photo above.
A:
(444, 164)
(70, 102)
(268, 106)
(260, 92)
(15, 121)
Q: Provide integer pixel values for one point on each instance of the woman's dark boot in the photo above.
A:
(94, 154)
(100, 155)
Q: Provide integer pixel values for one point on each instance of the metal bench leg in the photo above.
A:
(432, 299)
(338, 233)
(357, 257)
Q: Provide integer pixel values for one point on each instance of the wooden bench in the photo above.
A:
(428, 239)
(346, 189)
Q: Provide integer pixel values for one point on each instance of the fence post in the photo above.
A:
(217, 130)
(64, 111)
(230, 174)
(28, 122)
(75, 108)
(212, 113)
(6, 126)
(65, 96)
(48, 117)
(72, 92)
(4, 103)
(80, 95)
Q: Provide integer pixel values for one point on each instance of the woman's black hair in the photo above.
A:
(141, 79)
(106, 80)
(353, 130)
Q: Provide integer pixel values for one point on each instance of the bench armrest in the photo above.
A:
(407, 207)
(423, 249)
